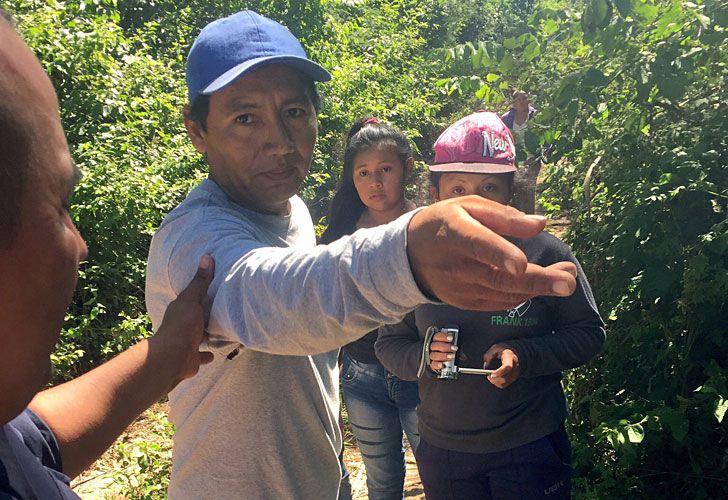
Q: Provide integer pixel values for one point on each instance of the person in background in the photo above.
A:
(261, 420)
(500, 437)
(516, 118)
(49, 436)
(377, 163)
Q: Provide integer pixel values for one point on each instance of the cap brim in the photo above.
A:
(473, 168)
(305, 66)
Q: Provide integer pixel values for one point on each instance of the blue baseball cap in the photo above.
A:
(229, 47)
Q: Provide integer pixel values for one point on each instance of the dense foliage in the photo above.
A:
(631, 93)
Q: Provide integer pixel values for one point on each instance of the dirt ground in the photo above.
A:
(358, 476)
(97, 483)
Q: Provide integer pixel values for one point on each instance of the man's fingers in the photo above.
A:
(479, 296)
(456, 258)
(502, 219)
(568, 267)
(489, 283)
(197, 289)
(484, 246)
(556, 279)
(206, 357)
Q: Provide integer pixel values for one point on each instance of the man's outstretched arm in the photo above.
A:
(315, 300)
(87, 414)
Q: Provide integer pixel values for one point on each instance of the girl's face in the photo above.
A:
(379, 177)
(494, 187)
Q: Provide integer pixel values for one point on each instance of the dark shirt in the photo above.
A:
(549, 334)
(362, 349)
(30, 461)
(509, 116)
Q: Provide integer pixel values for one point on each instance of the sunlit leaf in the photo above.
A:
(721, 405)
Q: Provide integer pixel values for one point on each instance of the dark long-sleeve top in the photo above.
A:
(509, 116)
(549, 335)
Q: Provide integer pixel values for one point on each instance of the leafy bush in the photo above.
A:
(142, 468)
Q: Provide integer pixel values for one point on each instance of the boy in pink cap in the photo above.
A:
(503, 436)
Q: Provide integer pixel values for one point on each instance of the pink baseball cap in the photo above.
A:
(479, 143)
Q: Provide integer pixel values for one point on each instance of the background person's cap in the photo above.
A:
(229, 47)
(479, 143)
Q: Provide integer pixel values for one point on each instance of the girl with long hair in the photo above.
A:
(377, 163)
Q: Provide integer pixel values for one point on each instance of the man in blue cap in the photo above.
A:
(261, 420)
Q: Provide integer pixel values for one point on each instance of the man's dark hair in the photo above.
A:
(15, 157)
(200, 107)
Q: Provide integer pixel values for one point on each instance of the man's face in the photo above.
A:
(40, 267)
(261, 131)
(520, 102)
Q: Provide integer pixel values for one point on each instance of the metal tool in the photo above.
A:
(450, 370)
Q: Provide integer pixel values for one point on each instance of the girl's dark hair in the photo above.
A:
(346, 206)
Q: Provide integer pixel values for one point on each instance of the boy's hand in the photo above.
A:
(457, 254)
(441, 349)
(509, 370)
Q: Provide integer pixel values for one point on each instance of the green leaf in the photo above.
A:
(635, 433)
(672, 88)
(590, 98)
(476, 57)
(531, 51)
(645, 12)
(571, 110)
(594, 78)
(565, 95)
(721, 405)
(483, 92)
(512, 43)
(507, 63)
(645, 74)
(531, 141)
(676, 422)
(596, 15)
(550, 27)
(624, 7)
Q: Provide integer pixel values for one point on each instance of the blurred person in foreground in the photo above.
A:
(49, 436)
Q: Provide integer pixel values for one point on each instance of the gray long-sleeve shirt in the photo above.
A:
(261, 421)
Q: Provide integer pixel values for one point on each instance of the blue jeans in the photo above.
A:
(540, 469)
(380, 407)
